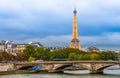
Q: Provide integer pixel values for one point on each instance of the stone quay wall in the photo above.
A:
(6, 67)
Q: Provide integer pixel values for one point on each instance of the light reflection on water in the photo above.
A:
(113, 70)
(77, 72)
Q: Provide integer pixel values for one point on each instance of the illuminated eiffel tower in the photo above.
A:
(75, 40)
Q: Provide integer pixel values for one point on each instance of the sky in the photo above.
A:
(50, 22)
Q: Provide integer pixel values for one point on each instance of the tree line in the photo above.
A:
(67, 54)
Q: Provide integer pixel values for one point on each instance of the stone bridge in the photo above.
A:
(53, 66)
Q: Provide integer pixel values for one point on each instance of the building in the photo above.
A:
(75, 43)
(9, 46)
(56, 48)
(2, 46)
(92, 49)
(5, 46)
(19, 47)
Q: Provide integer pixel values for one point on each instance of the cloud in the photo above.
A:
(51, 20)
(90, 12)
(85, 7)
(106, 41)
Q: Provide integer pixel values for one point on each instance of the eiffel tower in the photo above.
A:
(75, 40)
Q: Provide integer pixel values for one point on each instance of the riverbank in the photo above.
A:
(21, 72)
(15, 72)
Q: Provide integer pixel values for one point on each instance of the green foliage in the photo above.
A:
(77, 55)
(31, 54)
(31, 59)
(29, 51)
(42, 53)
(72, 57)
(107, 55)
(38, 53)
(94, 56)
(64, 53)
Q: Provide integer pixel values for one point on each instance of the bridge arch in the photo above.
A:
(25, 67)
(84, 66)
(61, 67)
(102, 68)
(98, 68)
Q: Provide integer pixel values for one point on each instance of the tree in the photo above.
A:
(31, 59)
(42, 53)
(86, 56)
(4, 56)
(94, 56)
(19, 57)
(72, 57)
(108, 55)
(29, 51)
(64, 53)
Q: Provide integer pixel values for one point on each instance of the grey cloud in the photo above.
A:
(107, 41)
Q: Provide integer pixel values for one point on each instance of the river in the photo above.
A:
(68, 74)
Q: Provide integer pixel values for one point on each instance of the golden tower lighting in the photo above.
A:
(75, 40)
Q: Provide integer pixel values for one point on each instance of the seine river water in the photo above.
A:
(68, 74)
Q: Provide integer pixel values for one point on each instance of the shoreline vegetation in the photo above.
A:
(30, 53)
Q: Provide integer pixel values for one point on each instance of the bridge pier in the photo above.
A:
(96, 72)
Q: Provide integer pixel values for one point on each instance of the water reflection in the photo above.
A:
(77, 72)
(113, 70)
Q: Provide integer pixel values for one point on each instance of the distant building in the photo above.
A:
(92, 49)
(2, 45)
(9, 46)
(37, 44)
(19, 47)
(55, 48)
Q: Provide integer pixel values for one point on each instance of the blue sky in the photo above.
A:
(50, 22)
